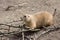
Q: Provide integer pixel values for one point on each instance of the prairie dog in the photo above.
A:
(39, 19)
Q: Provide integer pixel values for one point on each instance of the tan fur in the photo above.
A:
(38, 19)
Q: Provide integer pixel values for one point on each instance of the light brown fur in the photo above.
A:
(38, 19)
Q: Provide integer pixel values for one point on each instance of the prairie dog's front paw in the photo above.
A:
(31, 29)
(27, 27)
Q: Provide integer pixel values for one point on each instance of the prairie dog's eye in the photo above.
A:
(25, 16)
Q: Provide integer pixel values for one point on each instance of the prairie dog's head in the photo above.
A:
(26, 17)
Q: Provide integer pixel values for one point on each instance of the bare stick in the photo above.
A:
(22, 35)
(47, 31)
(1, 37)
(8, 8)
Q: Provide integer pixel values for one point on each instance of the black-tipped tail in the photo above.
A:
(54, 12)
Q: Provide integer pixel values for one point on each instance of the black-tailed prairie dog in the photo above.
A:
(39, 19)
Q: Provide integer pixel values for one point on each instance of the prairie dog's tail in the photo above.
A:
(54, 12)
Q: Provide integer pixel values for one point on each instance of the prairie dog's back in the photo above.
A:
(42, 14)
(43, 18)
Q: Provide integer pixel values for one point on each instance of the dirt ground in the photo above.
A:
(20, 7)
